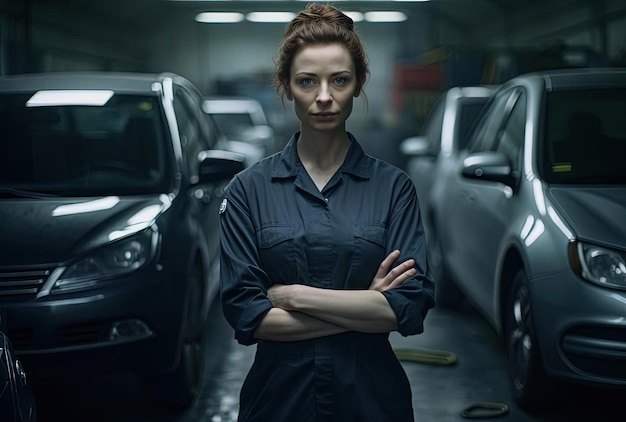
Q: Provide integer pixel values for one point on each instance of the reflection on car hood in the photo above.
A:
(53, 231)
(594, 213)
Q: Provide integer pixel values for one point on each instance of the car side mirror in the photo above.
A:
(490, 166)
(219, 165)
(415, 146)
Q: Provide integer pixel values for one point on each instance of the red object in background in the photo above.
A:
(415, 80)
(418, 76)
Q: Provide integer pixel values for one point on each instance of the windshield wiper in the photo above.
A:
(21, 193)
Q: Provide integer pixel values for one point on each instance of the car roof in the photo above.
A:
(118, 81)
(579, 77)
(474, 91)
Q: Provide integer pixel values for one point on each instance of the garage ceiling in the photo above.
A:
(465, 15)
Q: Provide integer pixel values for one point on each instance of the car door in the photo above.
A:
(498, 200)
(470, 223)
(204, 199)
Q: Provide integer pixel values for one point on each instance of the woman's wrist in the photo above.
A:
(295, 293)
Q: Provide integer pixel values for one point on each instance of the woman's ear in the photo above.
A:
(359, 88)
(286, 89)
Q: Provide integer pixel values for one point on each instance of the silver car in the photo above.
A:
(444, 135)
(531, 228)
(243, 121)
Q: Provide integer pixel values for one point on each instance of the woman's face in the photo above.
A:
(322, 86)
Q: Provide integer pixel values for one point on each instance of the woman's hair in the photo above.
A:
(319, 24)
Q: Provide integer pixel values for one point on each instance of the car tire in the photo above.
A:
(447, 294)
(532, 390)
(179, 387)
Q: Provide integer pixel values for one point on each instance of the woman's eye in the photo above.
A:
(341, 80)
(306, 82)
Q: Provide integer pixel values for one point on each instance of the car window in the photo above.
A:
(484, 137)
(584, 137)
(433, 126)
(467, 115)
(512, 136)
(113, 148)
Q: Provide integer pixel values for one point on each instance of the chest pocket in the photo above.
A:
(277, 252)
(368, 253)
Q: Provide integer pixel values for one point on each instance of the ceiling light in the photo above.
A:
(385, 16)
(270, 16)
(355, 16)
(219, 17)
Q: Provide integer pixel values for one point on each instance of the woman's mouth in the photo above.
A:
(325, 116)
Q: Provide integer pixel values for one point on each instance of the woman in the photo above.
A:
(323, 250)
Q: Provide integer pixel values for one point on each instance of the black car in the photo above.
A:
(110, 187)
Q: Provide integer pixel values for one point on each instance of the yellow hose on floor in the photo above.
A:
(428, 356)
(444, 357)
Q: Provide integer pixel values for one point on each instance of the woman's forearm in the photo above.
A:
(281, 325)
(355, 310)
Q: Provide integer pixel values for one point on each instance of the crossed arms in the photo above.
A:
(303, 312)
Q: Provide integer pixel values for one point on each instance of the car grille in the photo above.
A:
(70, 335)
(21, 338)
(16, 285)
(23, 285)
(84, 333)
(597, 350)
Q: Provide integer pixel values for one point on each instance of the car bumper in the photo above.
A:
(581, 329)
(133, 324)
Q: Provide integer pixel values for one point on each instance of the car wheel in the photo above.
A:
(179, 387)
(531, 388)
(447, 294)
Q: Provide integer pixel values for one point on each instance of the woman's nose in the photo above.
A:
(323, 95)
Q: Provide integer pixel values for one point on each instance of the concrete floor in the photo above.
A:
(440, 392)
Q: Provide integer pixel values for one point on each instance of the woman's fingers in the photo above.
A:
(397, 280)
(387, 278)
(384, 266)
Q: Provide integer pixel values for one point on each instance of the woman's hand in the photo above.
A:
(385, 279)
(279, 295)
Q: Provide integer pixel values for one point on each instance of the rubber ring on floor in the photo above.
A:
(485, 410)
(428, 356)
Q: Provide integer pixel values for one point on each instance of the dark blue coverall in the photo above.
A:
(277, 227)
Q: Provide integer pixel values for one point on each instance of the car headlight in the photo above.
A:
(600, 265)
(121, 257)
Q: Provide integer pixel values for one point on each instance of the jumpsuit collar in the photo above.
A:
(290, 165)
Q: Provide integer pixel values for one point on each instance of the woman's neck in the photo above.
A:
(322, 154)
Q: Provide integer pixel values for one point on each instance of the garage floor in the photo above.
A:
(440, 391)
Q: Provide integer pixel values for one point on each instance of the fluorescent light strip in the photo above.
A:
(219, 17)
(355, 16)
(69, 97)
(385, 16)
(277, 17)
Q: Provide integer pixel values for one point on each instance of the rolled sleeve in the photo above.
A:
(243, 284)
(410, 303)
(412, 300)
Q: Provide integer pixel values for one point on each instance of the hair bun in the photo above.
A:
(319, 12)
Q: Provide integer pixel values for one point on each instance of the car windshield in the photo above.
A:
(63, 148)
(585, 137)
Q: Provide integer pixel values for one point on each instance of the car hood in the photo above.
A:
(53, 231)
(595, 214)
